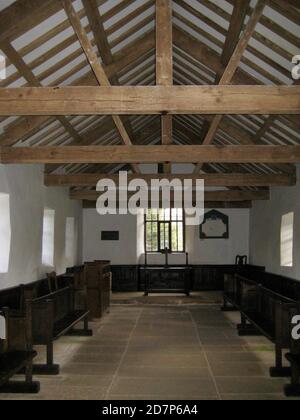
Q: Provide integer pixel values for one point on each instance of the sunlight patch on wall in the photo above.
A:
(287, 240)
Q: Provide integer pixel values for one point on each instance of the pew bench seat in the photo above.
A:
(261, 325)
(65, 326)
(54, 316)
(16, 353)
(11, 364)
(293, 389)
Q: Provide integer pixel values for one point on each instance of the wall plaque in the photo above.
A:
(215, 226)
(110, 235)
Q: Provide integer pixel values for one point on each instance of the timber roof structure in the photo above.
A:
(212, 45)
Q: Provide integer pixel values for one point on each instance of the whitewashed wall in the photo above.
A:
(28, 198)
(130, 248)
(265, 226)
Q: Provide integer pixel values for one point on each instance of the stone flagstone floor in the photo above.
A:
(162, 353)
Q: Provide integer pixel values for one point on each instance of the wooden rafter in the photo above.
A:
(101, 39)
(235, 28)
(23, 15)
(28, 75)
(94, 17)
(121, 59)
(95, 65)
(233, 64)
(164, 63)
(231, 129)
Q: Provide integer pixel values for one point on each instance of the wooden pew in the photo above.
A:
(53, 316)
(77, 272)
(16, 353)
(77, 279)
(264, 311)
(97, 279)
(270, 314)
(293, 389)
(106, 283)
(232, 291)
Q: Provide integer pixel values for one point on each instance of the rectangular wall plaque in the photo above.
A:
(110, 235)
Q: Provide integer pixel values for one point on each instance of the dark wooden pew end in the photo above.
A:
(293, 389)
(10, 364)
(80, 333)
(280, 372)
(16, 353)
(248, 331)
(54, 316)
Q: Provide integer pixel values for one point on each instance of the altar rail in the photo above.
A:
(129, 278)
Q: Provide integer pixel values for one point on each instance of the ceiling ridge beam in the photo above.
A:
(164, 64)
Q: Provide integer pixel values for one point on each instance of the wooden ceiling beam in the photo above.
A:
(151, 154)
(211, 180)
(217, 196)
(150, 100)
(208, 204)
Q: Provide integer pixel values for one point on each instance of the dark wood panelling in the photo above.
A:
(125, 278)
(128, 278)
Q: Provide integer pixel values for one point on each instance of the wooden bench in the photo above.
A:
(232, 292)
(97, 279)
(53, 316)
(16, 353)
(293, 389)
(266, 312)
(105, 282)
